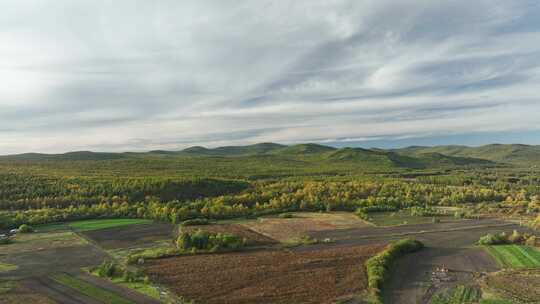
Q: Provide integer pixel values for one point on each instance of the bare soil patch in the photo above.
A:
(521, 286)
(21, 294)
(267, 276)
(132, 236)
(253, 238)
(302, 224)
(32, 242)
(413, 279)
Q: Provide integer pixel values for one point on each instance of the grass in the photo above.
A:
(5, 287)
(94, 224)
(90, 290)
(141, 287)
(515, 256)
(7, 267)
(458, 295)
(385, 219)
(305, 240)
(494, 301)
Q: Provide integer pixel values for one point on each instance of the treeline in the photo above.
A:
(22, 192)
(379, 266)
(256, 199)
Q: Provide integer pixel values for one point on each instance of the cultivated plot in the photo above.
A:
(517, 286)
(267, 276)
(303, 224)
(515, 256)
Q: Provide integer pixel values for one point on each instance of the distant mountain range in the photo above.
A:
(410, 157)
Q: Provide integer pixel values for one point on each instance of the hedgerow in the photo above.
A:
(378, 267)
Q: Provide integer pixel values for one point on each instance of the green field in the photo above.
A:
(458, 295)
(515, 256)
(7, 267)
(6, 286)
(95, 224)
(94, 292)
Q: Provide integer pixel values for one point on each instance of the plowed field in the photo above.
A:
(269, 276)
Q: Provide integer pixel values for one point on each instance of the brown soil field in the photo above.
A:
(32, 242)
(253, 238)
(302, 224)
(267, 276)
(132, 236)
(21, 294)
(522, 286)
(49, 261)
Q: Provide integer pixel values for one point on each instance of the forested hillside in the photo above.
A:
(245, 181)
(513, 154)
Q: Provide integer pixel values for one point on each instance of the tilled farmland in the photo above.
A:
(267, 276)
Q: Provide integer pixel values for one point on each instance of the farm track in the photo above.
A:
(56, 291)
(63, 294)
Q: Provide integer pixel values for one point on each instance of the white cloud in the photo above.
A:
(135, 75)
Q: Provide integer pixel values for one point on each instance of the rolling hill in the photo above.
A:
(411, 157)
(511, 154)
(303, 149)
(261, 148)
(73, 156)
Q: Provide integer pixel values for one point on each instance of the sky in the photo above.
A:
(137, 75)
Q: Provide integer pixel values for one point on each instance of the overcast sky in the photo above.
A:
(139, 75)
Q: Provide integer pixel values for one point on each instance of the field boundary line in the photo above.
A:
(435, 231)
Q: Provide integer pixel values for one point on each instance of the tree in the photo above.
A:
(24, 228)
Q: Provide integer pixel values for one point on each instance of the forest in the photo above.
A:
(231, 182)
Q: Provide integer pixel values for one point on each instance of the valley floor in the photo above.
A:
(309, 258)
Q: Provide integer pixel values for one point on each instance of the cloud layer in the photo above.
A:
(139, 75)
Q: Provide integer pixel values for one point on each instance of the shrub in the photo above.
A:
(153, 253)
(196, 221)
(24, 228)
(202, 240)
(492, 239)
(286, 215)
(379, 265)
(503, 238)
(131, 276)
(515, 237)
(531, 241)
(459, 215)
(360, 213)
(108, 269)
(424, 211)
(111, 270)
